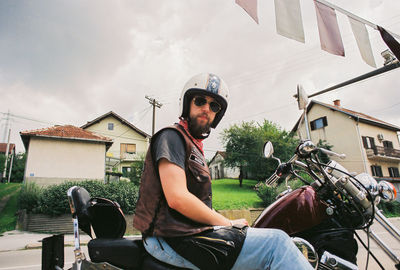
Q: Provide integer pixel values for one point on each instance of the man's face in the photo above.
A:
(201, 115)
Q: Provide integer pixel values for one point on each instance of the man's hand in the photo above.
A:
(241, 221)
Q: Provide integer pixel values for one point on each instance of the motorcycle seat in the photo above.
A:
(125, 253)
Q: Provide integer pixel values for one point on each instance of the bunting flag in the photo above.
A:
(288, 18)
(289, 24)
(364, 45)
(393, 45)
(329, 33)
(250, 6)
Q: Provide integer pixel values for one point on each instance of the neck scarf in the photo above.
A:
(197, 142)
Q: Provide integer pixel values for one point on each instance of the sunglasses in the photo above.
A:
(201, 101)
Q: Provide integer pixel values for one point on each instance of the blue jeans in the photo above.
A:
(263, 249)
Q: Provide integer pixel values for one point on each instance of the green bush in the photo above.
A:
(137, 168)
(53, 199)
(268, 194)
(29, 197)
(390, 209)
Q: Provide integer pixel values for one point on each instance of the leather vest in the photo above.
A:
(153, 216)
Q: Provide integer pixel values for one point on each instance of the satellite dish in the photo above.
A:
(302, 97)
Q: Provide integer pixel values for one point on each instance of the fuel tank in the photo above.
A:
(297, 211)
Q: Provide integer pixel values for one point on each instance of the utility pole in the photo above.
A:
(5, 162)
(155, 104)
(11, 164)
(6, 126)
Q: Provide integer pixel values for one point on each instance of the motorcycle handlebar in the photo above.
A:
(331, 153)
(272, 179)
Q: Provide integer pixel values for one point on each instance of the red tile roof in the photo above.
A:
(3, 147)
(64, 132)
(67, 131)
(356, 115)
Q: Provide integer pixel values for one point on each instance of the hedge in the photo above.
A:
(53, 200)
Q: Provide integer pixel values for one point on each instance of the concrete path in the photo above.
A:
(18, 240)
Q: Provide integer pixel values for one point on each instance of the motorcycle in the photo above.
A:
(109, 250)
(330, 208)
(321, 217)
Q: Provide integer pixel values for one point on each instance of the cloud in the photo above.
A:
(71, 61)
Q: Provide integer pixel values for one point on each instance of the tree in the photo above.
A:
(18, 167)
(137, 168)
(244, 144)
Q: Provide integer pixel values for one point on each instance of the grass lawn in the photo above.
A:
(8, 218)
(228, 195)
(6, 189)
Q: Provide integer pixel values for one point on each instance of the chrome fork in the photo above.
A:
(389, 228)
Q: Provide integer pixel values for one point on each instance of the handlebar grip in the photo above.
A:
(331, 153)
(272, 179)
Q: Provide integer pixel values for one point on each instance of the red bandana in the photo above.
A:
(197, 142)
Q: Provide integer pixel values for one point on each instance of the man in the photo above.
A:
(174, 211)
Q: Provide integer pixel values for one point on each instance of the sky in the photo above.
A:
(68, 62)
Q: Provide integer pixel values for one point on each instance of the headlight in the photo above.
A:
(368, 182)
(387, 191)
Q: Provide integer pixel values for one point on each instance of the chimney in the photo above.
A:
(336, 102)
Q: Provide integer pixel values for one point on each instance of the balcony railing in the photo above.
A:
(379, 151)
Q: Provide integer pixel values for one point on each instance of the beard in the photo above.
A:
(197, 130)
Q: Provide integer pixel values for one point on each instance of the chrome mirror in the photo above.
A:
(268, 149)
(302, 97)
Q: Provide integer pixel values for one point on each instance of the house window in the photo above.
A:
(376, 170)
(368, 142)
(319, 123)
(110, 126)
(388, 144)
(128, 148)
(394, 172)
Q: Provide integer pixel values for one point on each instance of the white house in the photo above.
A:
(370, 144)
(60, 153)
(218, 170)
(129, 142)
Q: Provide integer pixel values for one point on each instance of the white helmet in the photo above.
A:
(209, 85)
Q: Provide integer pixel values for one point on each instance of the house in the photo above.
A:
(3, 148)
(218, 169)
(60, 153)
(371, 145)
(130, 143)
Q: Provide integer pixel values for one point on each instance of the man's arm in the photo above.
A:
(173, 181)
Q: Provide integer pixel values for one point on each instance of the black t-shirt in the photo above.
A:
(170, 145)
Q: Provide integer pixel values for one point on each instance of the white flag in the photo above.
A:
(250, 6)
(329, 33)
(288, 18)
(364, 45)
